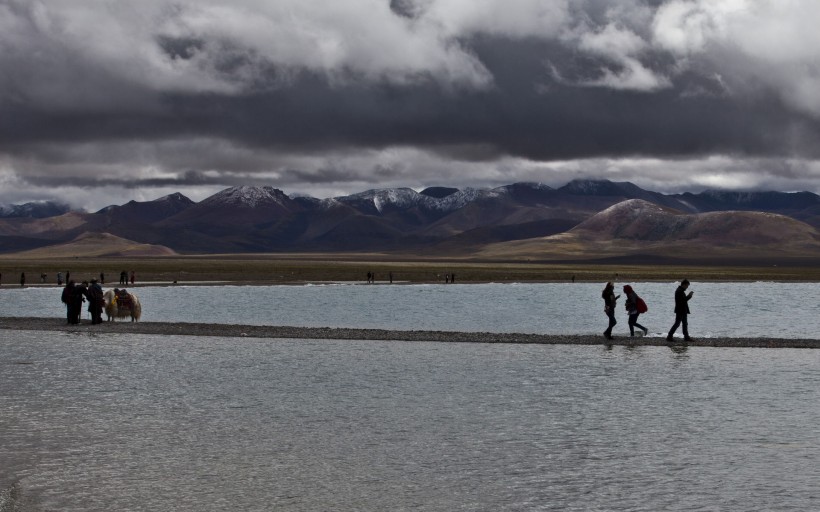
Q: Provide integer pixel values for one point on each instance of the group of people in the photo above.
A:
(635, 306)
(124, 277)
(75, 294)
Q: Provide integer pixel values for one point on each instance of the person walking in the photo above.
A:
(610, 300)
(681, 310)
(22, 279)
(634, 305)
(132, 277)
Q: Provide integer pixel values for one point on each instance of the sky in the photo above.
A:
(106, 101)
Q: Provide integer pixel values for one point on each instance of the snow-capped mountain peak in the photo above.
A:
(248, 196)
(406, 198)
(176, 197)
(35, 210)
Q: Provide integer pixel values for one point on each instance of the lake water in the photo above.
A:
(784, 310)
(117, 422)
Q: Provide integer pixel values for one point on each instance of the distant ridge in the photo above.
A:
(648, 231)
(584, 218)
(34, 210)
(640, 220)
(97, 245)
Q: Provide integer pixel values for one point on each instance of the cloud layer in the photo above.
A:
(120, 100)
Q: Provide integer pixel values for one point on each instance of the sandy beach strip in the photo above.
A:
(337, 333)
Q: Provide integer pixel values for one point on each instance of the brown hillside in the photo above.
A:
(640, 227)
(642, 221)
(44, 227)
(96, 245)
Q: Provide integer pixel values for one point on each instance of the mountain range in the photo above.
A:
(584, 219)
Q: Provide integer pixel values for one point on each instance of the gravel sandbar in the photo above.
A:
(336, 333)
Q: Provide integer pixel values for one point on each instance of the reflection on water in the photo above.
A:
(782, 310)
(184, 423)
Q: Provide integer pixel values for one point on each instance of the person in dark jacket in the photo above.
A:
(681, 310)
(95, 302)
(73, 298)
(610, 300)
(631, 305)
(80, 296)
(67, 296)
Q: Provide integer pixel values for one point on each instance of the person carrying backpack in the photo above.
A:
(634, 307)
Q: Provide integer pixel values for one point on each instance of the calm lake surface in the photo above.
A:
(116, 422)
(783, 310)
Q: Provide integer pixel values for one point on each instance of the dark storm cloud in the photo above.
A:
(307, 93)
(516, 117)
(528, 112)
(187, 178)
(406, 8)
(323, 175)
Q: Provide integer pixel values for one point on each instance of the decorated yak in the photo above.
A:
(120, 303)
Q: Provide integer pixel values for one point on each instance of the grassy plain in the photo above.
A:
(267, 269)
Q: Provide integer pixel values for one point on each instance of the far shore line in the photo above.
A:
(265, 270)
(337, 333)
(228, 282)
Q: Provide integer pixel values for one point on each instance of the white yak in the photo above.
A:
(122, 304)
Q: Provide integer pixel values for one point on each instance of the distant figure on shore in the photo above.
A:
(132, 277)
(452, 278)
(43, 277)
(634, 307)
(102, 277)
(681, 311)
(610, 300)
(123, 277)
(59, 278)
(390, 276)
(22, 279)
(67, 276)
(573, 279)
(369, 277)
(447, 278)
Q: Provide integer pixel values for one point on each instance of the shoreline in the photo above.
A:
(267, 269)
(396, 282)
(345, 333)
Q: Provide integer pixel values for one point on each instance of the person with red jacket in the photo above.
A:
(633, 310)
